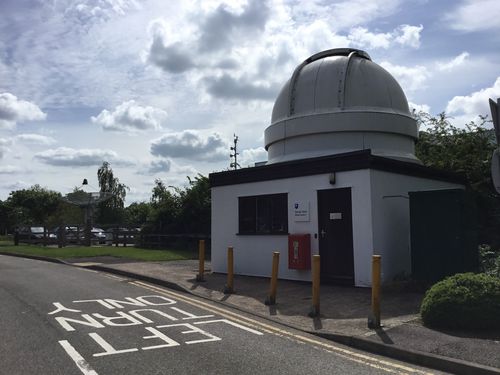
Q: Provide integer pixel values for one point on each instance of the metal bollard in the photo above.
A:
(271, 300)
(229, 287)
(201, 259)
(315, 286)
(374, 319)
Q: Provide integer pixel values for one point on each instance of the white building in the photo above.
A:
(340, 165)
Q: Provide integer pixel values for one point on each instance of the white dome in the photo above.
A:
(339, 101)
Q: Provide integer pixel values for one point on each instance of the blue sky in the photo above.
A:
(158, 88)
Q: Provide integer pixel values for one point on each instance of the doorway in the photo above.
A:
(335, 236)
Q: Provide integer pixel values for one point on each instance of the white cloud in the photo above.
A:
(454, 63)
(89, 11)
(13, 110)
(9, 169)
(405, 35)
(410, 78)
(35, 139)
(220, 27)
(130, 116)
(345, 14)
(69, 157)
(476, 103)
(4, 146)
(156, 166)
(408, 35)
(360, 36)
(190, 144)
(17, 185)
(474, 15)
(227, 87)
(419, 107)
(250, 156)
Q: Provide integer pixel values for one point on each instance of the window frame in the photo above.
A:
(250, 218)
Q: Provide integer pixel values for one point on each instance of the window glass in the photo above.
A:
(263, 214)
(247, 215)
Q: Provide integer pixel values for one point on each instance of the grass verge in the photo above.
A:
(128, 252)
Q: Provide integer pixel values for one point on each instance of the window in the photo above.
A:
(263, 214)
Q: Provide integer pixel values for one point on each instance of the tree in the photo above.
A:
(138, 214)
(181, 211)
(165, 209)
(195, 206)
(111, 210)
(466, 151)
(33, 206)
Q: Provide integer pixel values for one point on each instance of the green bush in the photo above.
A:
(464, 300)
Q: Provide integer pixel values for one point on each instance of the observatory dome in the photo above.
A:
(338, 101)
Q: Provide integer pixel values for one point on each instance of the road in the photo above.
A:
(56, 319)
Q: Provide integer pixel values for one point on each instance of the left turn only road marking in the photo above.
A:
(147, 313)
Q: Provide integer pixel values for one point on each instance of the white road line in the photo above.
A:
(353, 356)
(80, 362)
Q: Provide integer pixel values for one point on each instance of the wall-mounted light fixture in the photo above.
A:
(332, 178)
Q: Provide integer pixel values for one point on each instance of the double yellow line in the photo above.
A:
(364, 359)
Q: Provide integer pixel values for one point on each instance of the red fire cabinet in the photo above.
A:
(299, 251)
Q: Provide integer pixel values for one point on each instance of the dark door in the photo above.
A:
(335, 236)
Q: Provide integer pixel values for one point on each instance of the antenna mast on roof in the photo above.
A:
(234, 164)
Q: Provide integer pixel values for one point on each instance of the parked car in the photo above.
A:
(35, 234)
(76, 234)
(99, 235)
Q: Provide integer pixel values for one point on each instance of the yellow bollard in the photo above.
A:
(315, 286)
(229, 287)
(201, 258)
(374, 319)
(271, 300)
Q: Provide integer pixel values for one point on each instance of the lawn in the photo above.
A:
(128, 252)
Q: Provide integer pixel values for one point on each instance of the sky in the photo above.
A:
(158, 88)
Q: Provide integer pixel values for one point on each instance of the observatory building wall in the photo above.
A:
(253, 253)
(391, 218)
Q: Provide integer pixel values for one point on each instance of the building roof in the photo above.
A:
(362, 159)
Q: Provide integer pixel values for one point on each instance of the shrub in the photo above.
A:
(489, 260)
(464, 300)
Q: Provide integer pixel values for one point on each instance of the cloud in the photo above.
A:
(408, 35)
(9, 169)
(35, 139)
(474, 15)
(419, 107)
(13, 110)
(156, 166)
(410, 78)
(360, 36)
(91, 11)
(130, 116)
(190, 144)
(18, 185)
(475, 103)
(250, 156)
(69, 157)
(217, 30)
(455, 62)
(4, 146)
(405, 35)
(220, 26)
(173, 58)
(345, 14)
(227, 87)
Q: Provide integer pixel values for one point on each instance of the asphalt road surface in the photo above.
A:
(56, 319)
